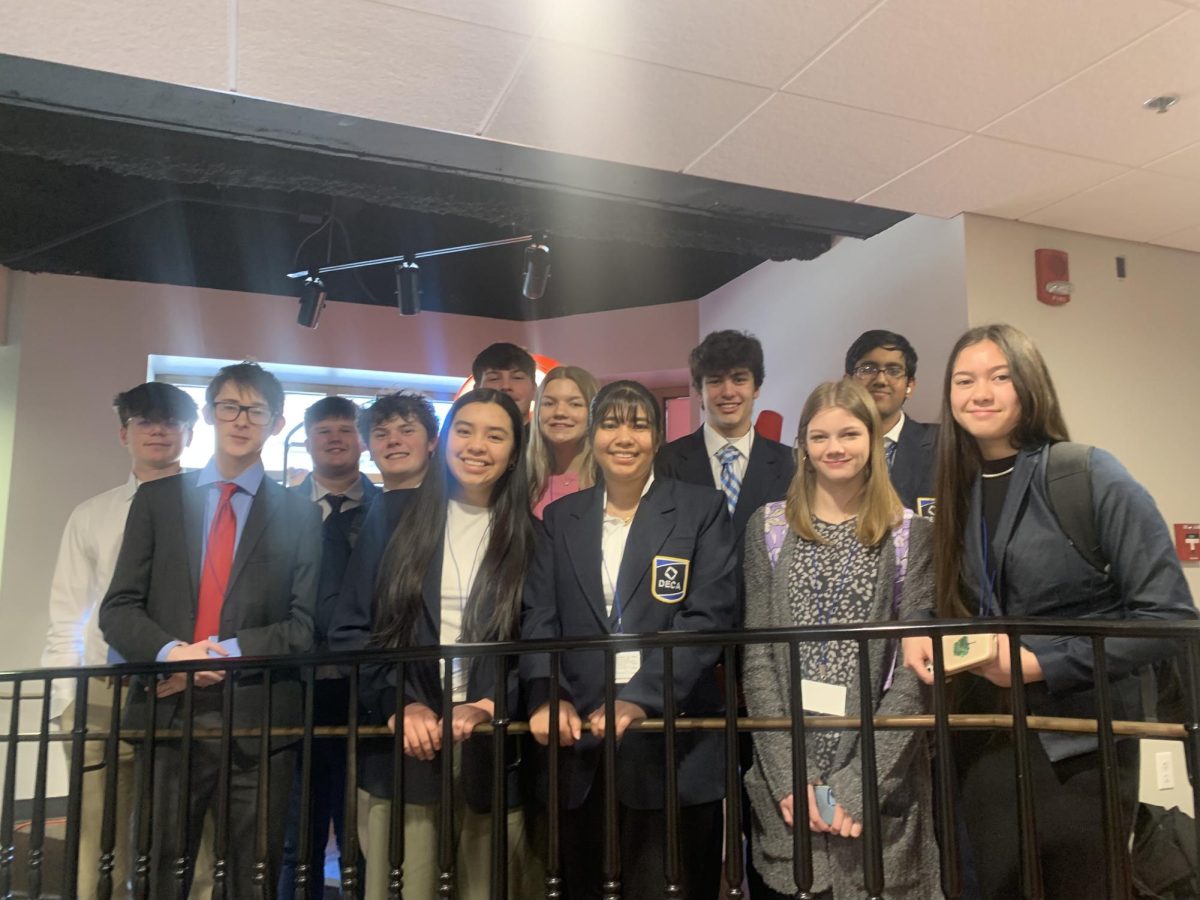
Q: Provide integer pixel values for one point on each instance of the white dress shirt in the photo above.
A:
(467, 531)
(714, 443)
(87, 557)
(353, 495)
(894, 434)
(613, 537)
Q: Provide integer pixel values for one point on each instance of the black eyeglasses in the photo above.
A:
(867, 371)
(228, 411)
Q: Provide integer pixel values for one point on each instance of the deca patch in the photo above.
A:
(926, 507)
(670, 578)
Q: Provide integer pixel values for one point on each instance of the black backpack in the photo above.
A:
(1164, 855)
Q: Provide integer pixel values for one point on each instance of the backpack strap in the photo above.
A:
(1069, 492)
(775, 528)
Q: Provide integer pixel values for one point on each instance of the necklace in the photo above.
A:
(1007, 471)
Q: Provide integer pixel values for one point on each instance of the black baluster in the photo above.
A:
(944, 772)
(144, 817)
(108, 818)
(1116, 843)
(349, 853)
(871, 837)
(8, 850)
(553, 857)
(221, 874)
(37, 829)
(184, 861)
(75, 791)
(733, 782)
(262, 886)
(1030, 864)
(304, 881)
(671, 799)
(1192, 727)
(446, 840)
(396, 825)
(612, 847)
(500, 783)
(802, 863)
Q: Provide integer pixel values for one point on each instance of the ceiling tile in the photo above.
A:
(1138, 206)
(1188, 239)
(1185, 163)
(374, 60)
(813, 147)
(519, 17)
(991, 177)
(1100, 112)
(608, 107)
(963, 63)
(765, 42)
(189, 47)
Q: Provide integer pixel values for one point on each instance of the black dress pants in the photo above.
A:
(642, 843)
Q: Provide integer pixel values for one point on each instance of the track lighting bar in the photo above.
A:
(424, 254)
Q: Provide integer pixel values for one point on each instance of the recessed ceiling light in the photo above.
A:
(1161, 104)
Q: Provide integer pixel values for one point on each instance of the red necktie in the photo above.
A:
(218, 561)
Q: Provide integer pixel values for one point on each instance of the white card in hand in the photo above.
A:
(628, 664)
(828, 699)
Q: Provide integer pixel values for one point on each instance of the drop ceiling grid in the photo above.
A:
(1136, 206)
(1184, 163)
(374, 60)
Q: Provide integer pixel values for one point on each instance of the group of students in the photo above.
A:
(576, 521)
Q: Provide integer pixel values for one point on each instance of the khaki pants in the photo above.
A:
(99, 718)
(473, 863)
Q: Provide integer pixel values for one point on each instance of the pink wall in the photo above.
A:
(82, 340)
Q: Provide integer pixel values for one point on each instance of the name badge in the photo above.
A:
(627, 664)
(669, 578)
(926, 507)
(820, 697)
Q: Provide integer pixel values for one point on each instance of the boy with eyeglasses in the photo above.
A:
(885, 363)
(156, 425)
(219, 563)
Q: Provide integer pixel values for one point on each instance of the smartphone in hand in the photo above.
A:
(823, 794)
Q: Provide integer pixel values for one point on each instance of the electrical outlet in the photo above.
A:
(1164, 770)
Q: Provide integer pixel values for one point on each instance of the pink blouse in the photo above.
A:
(559, 486)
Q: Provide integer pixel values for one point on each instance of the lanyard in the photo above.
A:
(989, 604)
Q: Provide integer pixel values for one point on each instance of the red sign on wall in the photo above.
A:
(1187, 542)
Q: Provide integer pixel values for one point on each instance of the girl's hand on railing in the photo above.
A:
(570, 726)
(918, 656)
(999, 670)
(468, 715)
(422, 733)
(625, 713)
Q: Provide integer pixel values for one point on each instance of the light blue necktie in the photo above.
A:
(730, 483)
(889, 451)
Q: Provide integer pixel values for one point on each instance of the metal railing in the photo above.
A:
(940, 721)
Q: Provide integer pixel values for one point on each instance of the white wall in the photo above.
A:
(908, 279)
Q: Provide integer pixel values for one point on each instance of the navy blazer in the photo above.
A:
(564, 598)
(268, 604)
(1039, 573)
(915, 465)
(768, 471)
(338, 536)
(379, 695)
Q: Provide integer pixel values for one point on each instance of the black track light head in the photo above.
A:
(312, 301)
(537, 268)
(408, 287)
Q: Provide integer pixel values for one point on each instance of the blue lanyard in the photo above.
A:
(989, 604)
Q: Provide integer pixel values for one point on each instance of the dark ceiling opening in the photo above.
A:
(116, 177)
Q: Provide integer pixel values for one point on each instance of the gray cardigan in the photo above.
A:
(910, 855)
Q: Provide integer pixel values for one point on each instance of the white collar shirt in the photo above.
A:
(715, 442)
(894, 434)
(353, 495)
(613, 536)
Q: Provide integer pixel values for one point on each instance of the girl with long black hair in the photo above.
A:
(452, 571)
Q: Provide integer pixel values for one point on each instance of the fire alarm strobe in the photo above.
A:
(1187, 541)
(1053, 277)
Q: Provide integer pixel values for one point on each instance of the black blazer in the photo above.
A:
(564, 598)
(338, 535)
(914, 467)
(268, 604)
(768, 471)
(379, 694)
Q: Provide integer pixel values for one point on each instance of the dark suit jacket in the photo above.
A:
(268, 605)
(916, 462)
(768, 471)
(379, 695)
(1040, 574)
(564, 597)
(338, 534)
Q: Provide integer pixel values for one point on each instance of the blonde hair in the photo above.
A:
(881, 507)
(539, 460)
